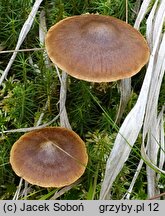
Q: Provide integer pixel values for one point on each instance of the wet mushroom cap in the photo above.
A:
(49, 157)
(96, 48)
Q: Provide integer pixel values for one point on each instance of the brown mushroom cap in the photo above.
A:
(96, 48)
(49, 157)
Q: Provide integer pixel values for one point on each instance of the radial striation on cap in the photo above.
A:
(96, 48)
(49, 157)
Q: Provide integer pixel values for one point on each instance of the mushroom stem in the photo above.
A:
(125, 91)
(64, 121)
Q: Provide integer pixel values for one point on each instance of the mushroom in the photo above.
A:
(49, 157)
(96, 48)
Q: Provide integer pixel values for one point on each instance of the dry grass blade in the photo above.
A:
(133, 123)
(31, 128)
(151, 122)
(22, 50)
(157, 196)
(150, 19)
(129, 191)
(141, 13)
(24, 31)
(162, 140)
(162, 144)
(17, 193)
(148, 159)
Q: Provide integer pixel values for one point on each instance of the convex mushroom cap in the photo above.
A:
(96, 48)
(49, 157)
